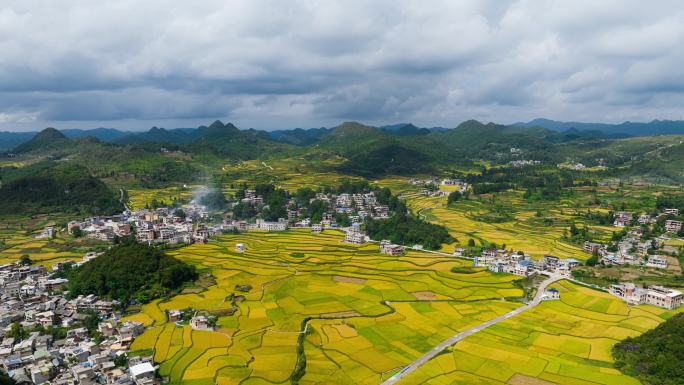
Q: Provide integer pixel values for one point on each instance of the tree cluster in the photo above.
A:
(405, 229)
(130, 271)
(655, 357)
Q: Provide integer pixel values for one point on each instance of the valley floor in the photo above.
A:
(357, 317)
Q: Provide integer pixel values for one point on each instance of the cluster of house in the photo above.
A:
(653, 295)
(625, 218)
(503, 261)
(633, 249)
(572, 166)
(31, 305)
(523, 163)
(161, 225)
(356, 206)
(355, 236)
(630, 251)
(434, 181)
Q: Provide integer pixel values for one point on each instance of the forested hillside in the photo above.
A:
(56, 188)
(131, 271)
(656, 356)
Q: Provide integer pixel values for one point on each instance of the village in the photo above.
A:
(641, 244)
(191, 223)
(47, 337)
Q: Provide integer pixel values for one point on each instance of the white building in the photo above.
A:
(355, 237)
(386, 247)
(655, 295)
(673, 226)
(657, 261)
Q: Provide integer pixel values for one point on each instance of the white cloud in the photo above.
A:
(267, 63)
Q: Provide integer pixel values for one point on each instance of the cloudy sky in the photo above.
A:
(277, 64)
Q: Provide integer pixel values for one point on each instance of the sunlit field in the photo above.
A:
(368, 313)
(140, 198)
(287, 173)
(18, 237)
(537, 228)
(567, 341)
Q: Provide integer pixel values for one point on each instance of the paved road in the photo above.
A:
(454, 339)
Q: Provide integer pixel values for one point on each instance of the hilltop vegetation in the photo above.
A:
(365, 151)
(655, 356)
(407, 230)
(131, 271)
(48, 138)
(56, 188)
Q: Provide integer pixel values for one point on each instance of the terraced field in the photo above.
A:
(18, 238)
(526, 231)
(289, 173)
(140, 197)
(568, 341)
(364, 313)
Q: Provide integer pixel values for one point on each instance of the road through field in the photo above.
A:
(458, 337)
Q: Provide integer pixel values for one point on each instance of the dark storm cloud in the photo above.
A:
(267, 63)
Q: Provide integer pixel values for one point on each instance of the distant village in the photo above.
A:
(640, 246)
(191, 223)
(430, 186)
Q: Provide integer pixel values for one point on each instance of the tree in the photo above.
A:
(214, 200)
(17, 332)
(91, 321)
(180, 214)
(454, 197)
(25, 260)
(655, 356)
(76, 232)
(5, 379)
(128, 269)
(593, 260)
(121, 361)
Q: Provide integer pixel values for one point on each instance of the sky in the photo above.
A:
(282, 64)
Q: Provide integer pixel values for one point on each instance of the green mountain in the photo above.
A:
(46, 139)
(299, 136)
(371, 152)
(227, 141)
(51, 187)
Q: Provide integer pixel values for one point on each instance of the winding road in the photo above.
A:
(458, 337)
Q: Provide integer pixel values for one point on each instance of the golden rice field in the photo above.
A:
(288, 173)
(370, 313)
(18, 238)
(525, 232)
(141, 197)
(567, 341)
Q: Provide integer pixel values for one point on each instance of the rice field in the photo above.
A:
(567, 341)
(526, 230)
(18, 238)
(139, 198)
(289, 173)
(367, 313)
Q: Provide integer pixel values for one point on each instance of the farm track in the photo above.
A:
(466, 333)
